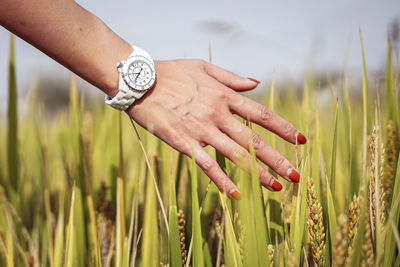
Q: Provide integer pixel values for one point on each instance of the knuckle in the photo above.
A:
(179, 142)
(278, 163)
(241, 157)
(263, 173)
(239, 153)
(288, 128)
(177, 137)
(257, 141)
(207, 164)
(200, 62)
(224, 184)
(213, 113)
(265, 113)
(223, 95)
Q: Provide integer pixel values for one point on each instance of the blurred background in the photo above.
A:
(251, 38)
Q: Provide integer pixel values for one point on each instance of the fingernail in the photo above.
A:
(294, 176)
(235, 194)
(276, 185)
(301, 139)
(254, 80)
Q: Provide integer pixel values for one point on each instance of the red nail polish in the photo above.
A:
(276, 185)
(301, 139)
(235, 194)
(254, 80)
(294, 176)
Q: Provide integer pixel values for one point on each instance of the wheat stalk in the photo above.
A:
(315, 225)
(390, 161)
(340, 245)
(181, 225)
(373, 147)
(271, 252)
(367, 248)
(354, 215)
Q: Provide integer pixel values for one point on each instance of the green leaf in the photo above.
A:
(13, 162)
(231, 246)
(365, 108)
(59, 238)
(331, 219)
(359, 237)
(394, 219)
(150, 245)
(80, 230)
(174, 240)
(299, 217)
(198, 257)
(260, 222)
(333, 159)
(70, 242)
(390, 94)
(120, 220)
(247, 234)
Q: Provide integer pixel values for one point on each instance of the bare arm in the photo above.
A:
(71, 35)
(191, 105)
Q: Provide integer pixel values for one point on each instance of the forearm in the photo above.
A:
(71, 35)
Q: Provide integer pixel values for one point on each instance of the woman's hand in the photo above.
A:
(192, 105)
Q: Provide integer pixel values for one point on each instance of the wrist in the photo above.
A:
(111, 74)
(136, 76)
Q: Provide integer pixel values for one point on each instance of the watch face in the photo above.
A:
(139, 73)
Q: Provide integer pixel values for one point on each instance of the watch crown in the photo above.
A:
(119, 64)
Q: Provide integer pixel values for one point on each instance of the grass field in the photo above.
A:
(77, 192)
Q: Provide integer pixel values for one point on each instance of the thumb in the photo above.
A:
(230, 79)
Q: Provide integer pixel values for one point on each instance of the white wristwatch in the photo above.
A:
(136, 76)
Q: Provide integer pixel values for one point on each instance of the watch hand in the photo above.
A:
(138, 73)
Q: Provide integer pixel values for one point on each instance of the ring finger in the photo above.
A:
(267, 154)
(241, 157)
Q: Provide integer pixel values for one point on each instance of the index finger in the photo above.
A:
(263, 116)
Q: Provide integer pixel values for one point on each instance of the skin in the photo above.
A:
(191, 105)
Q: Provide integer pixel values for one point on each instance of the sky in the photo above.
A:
(250, 38)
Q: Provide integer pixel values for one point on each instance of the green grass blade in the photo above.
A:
(315, 156)
(80, 229)
(247, 234)
(365, 109)
(120, 222)
(49, 226)
(198, 257)
(13, 165)
(394, 217)
(174, 240)
(231, 246)
(331, 221)
(59, 238)
(150, 245)
(94, 248)
(390, 94)
(69, 245)
(359, 237)
(152, 176)
(260, 221)
(333, 159)
(300, 213)
(272, 200)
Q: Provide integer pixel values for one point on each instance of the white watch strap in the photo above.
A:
(140, 51)
(125, 96)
